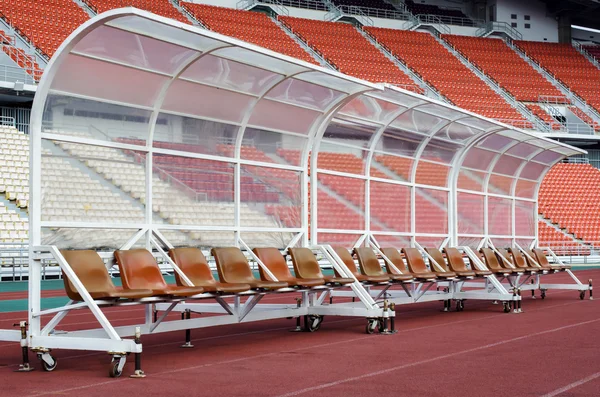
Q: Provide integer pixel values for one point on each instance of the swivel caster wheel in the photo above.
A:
(582, 295)
(543, 295)
(114, 371)
(48, 361)
(117, 364)
(314, 323)
(460, 305)
(506, 307)
(372, 325)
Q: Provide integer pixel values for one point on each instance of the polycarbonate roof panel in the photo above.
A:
(373, 109)
(191, 82)
(301, 93)
(220, 72)
(134, 50)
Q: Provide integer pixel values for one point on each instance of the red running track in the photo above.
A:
(551, 349)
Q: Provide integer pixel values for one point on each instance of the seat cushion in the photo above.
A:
(338, 280)
(304, 282)
(445, 274)
(373, 279)
(482, 272)
(424, 276)
(401, 277)
(466, 273)
(268, 284)
(174, 290)
(225, 287)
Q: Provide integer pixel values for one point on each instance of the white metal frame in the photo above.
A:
(344, 90)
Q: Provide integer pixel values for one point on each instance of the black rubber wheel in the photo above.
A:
(582, 295)
(543, 294)
(460, 305)
(371, 326)
(506, 307)
(47, 367)
(314, 323)
(113, 370)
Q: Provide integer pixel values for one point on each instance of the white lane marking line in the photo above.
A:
(429, 360)
(572, 385)
(276, 353)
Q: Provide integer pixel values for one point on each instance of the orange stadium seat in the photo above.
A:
(159, 7)
(569, 198)
(569, 66)
(46, 23)
(506, 67)
(343, 46)
(253, 27)
(428, 58)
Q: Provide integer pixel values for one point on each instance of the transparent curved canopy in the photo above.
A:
(204, 139)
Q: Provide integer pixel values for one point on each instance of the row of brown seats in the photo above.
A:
(141, 276)
(451, 262)
(512, 261)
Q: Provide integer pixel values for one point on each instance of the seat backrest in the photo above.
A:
(517, 257)
(193, 263)
(232, 265)
(275, 262)
(531, 262)
(438, 257)
(369, 264)
(394, 256)
(455, 260)
(541, 257)
(503, 253)
(415, 261)
(90, 269)
(489, 256)
(305, 263)
(347, 258)
(139, 269)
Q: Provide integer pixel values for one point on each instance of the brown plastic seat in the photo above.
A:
(348, 260)
(393, 255)
(505, 260)
(543, 260)
(491, 261)
(193, 263)
(139, 269)
(519, 261)
(370, 266)
(417, 266)
(306, 266)
(457, 264)
(276, 263)
(233, 267)
(437, 255)
(90, 269)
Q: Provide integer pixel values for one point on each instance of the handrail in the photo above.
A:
(304, 4)
(586, 54)
(432, 20)
(276, 5)
(501, 27)
(373, 12)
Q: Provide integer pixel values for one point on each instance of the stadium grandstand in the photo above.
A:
(190, 165)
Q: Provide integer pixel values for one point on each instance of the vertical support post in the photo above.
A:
(138, 373)
(298, 321)
(24, 367)
(187, 315)
(590, 284)
(393, 318)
